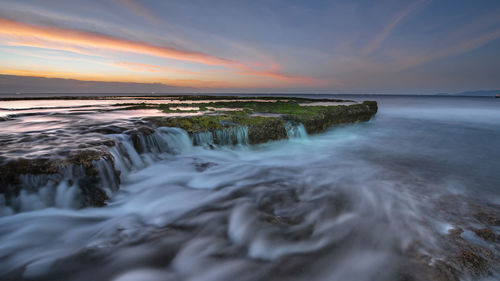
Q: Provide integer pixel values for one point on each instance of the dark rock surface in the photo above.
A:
(50, 172)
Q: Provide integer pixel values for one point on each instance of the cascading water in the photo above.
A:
(203, 138)
(70, 187)
(237, 135)
(151, 147)
(295, 131)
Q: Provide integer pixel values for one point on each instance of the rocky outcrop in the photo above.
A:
(264, 129)
(336, 115)
(269, 129)
(81, 166)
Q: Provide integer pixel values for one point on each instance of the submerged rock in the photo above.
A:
(488, 219)
(201, 167)
(486, 233)
(472, 263)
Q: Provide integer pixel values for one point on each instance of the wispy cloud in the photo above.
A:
(140, 10)
(88, 43)
(387, 30)
(100, 41)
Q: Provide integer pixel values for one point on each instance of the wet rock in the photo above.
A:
(455, 232)
(200, 167)
(335, 115)
(423, 271)
(278, 220)
(108, 129)
(264, 129)
(92, 194)
(270, 129)
(137, 135)
(107, 142)
(472, 262)
(145, 130)
(86, 157)
(142, 130)
(487, 219)
(50, 172)
(486, 233)
(10, 171)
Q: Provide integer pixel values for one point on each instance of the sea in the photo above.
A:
(385, 199)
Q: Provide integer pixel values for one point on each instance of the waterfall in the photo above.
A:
(177, 140)
(203, 138)
(73, 186)
(62, 189)
(136, 151)
(232, 136)
(295, 131)
(237, 135)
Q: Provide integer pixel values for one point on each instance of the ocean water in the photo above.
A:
(368, 201)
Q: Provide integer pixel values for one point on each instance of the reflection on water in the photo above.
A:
(355, 203)
(30, 104)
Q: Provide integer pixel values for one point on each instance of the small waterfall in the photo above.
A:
(237, 135)
(136, 151)
(295, 131)
(70, 188)
(108, 176)
(203, 138)
(232, 136)
(73, 186)
(125, 156)
(177, 140)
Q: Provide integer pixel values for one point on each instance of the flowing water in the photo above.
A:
(358, 202)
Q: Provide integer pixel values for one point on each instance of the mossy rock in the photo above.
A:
(315, 119)
(193, 124)
(268, 129)
(335, 115)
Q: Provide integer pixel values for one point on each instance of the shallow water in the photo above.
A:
(352, 203)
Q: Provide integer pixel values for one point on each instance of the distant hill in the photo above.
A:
(488, 93)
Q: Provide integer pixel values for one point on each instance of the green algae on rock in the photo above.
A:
(251, 114)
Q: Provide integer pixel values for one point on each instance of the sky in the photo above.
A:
(254, 46)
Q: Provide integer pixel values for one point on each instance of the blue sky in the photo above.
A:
(406, 47)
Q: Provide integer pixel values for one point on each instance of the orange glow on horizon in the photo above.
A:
(116, 78)
(232, 73)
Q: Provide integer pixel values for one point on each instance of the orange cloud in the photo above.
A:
(99, 41)
(16, 33)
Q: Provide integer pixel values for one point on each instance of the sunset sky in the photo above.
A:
(250, 46)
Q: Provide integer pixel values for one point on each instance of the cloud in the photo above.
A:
(29, 33)
(387, 30)
(16, 33)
